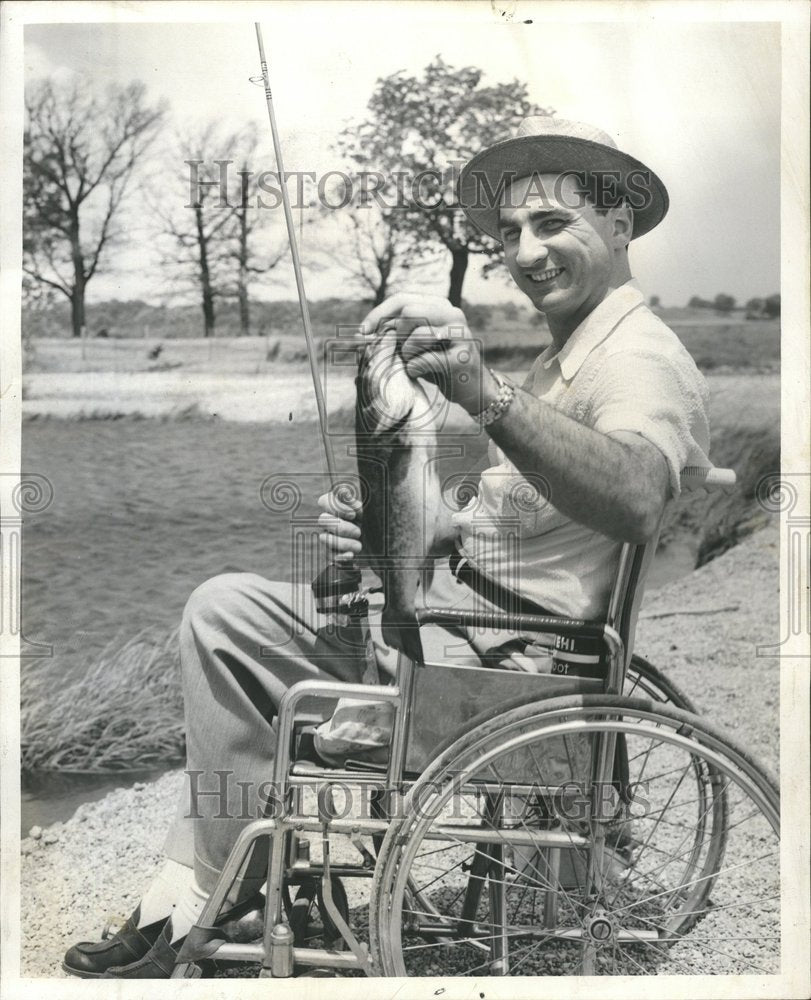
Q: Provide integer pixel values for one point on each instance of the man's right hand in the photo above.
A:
(340, 534)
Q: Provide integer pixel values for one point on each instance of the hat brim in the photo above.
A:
(556, 154)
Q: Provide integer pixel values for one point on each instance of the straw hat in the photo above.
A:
(547, 145)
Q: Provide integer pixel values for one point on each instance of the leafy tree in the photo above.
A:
(655, 302)
(754, 308)
(80, 153)
(419, 132)
(772, 306)
(478, 314)
(723, 303)
(696, 302)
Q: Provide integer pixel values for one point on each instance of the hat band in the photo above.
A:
(602, 188)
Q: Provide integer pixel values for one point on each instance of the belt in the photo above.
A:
(494, 592)
(577, 656)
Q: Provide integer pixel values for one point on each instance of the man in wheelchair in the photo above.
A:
(608, 415)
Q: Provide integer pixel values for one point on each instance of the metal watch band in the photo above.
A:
(500, 405)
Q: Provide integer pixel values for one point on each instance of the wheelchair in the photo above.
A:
(582, 823)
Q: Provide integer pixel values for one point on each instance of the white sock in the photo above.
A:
(188, 907)
(162, 893)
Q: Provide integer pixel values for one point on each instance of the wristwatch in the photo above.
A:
(496, 410)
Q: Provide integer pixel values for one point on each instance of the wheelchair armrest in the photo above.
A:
(514, 623)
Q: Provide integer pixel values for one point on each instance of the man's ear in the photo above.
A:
(622, 229)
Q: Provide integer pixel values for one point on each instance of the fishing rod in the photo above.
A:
(336, 580)
(302, 296)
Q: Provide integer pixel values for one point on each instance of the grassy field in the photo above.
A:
(715, 343)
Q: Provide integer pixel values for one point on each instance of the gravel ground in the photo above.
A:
(713, 656)
(75, 873)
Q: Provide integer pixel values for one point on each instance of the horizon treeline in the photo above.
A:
(108, 178)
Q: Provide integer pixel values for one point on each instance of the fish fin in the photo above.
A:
(410, 642)
(401, 631)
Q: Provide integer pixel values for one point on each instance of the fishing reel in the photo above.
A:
(337, 591)
(338, 596)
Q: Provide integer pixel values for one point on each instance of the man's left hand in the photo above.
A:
(438, 346)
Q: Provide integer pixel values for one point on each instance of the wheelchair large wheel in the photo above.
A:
(644, 680)
(508, 859)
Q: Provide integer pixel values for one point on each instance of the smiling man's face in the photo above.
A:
(561, 252)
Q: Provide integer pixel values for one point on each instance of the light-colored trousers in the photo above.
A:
(244, 641)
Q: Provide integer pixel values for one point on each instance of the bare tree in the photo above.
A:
(213, 220)
(79, 156)
(376, 250)
(195, 213)
(251, 261)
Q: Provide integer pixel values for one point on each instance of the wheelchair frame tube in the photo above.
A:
(327, 689)
(402, 720)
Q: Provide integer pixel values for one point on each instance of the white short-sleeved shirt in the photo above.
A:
(622, 369)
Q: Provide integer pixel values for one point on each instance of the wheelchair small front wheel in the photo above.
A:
(507, 858)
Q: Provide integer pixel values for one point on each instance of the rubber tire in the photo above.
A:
(487, 725)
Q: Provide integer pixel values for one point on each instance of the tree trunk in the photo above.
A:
(205, 275)
(382, 287)
(242, 277)
(208, 309)
(384, 265)
(244, 311)
(458, 269)
(79, 277)
(77, 308)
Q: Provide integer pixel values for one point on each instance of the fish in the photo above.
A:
(396, 438)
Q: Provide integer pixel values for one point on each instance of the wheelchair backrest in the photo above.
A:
(444, 698)
(635, 560)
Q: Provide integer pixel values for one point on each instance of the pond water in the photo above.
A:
(145, 510)
(54, 796)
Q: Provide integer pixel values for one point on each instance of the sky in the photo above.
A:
(699, 102)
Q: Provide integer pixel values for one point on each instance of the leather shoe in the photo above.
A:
(242, 922)
(157, 963)
(91, 959)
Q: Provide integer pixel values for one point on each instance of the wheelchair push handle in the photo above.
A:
(695, 477)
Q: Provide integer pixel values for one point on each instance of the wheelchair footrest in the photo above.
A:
(200, 943)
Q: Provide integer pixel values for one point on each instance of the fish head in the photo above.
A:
(387, 395)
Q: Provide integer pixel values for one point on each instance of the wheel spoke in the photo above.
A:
(622, 907)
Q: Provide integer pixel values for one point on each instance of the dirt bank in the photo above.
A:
(703, 631)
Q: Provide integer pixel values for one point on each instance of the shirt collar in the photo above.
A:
(599, 323)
